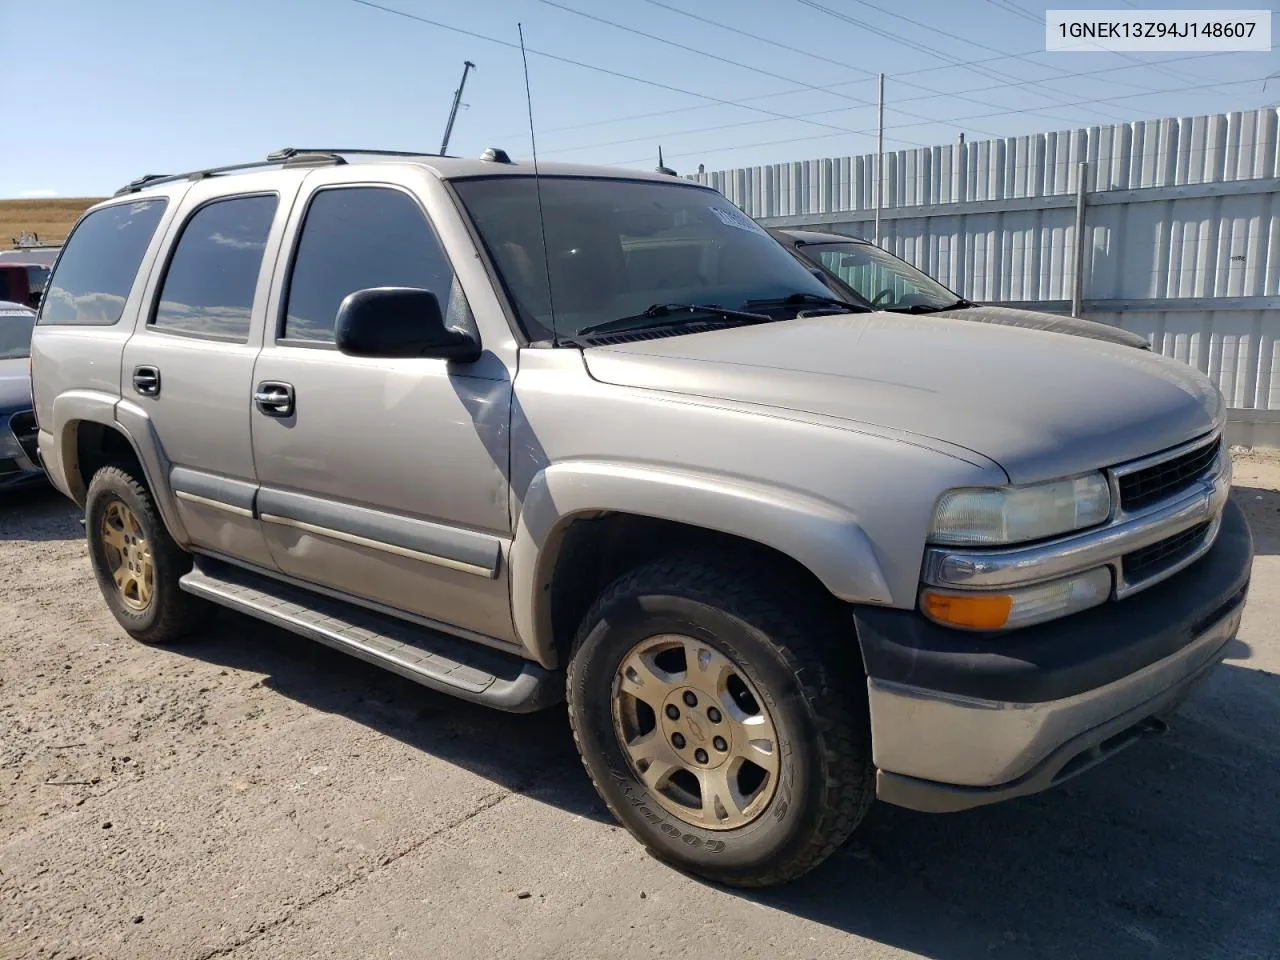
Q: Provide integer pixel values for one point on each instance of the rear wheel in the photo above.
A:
(136, 562)
(722, 720)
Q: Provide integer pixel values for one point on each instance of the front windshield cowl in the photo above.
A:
(616, 247)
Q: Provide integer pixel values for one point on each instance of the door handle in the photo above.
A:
(274, 398)
(146, 380)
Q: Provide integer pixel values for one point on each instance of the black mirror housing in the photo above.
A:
(394, 322)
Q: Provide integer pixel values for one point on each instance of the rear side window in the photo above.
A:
(359, 237)
(97, 268)
(209, 285)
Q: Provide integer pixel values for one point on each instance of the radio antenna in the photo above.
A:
(537, 187)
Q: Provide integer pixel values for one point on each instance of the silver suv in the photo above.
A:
(594, 435)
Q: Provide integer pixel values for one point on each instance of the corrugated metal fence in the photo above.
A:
(1181, 237)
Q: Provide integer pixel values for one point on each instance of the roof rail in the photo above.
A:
(290, 152)
(289, 156)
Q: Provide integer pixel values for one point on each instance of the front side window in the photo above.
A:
(879, 277)
(615, 248)
(355, 238)
(96, 270)
(15, 333)
(209, 286)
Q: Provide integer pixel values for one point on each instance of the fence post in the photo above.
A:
(1077, 291)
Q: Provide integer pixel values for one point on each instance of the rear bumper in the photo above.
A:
(960, 720)
(18, 460)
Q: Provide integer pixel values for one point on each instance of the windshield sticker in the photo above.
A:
(736, 218)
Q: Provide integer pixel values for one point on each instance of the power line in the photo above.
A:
(735, 63)
(816, 113)
(782, 93)
(811, 55)
(933, 51)
(768, 143)
(1011, 7)
(650, 138)
(593, 67)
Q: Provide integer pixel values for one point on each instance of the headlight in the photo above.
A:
(1019, 607)
(991, 516)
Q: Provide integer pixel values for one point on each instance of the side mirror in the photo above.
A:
(399, 322)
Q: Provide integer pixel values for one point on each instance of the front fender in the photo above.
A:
(825, 538)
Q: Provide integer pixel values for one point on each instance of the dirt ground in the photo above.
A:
(251, 795)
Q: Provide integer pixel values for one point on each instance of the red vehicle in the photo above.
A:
(22, 281)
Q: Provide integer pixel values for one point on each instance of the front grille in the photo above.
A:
(23, 426)
(1153, 484)
(1150, 561)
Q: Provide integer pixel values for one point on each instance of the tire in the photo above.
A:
(164, 613)
(791, 647)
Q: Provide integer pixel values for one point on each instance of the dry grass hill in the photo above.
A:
(48, 219)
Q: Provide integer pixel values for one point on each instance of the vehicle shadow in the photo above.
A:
(38, 513)
(1170, 849)
(1262, 508)
(531, 754)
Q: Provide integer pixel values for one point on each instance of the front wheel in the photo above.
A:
(723, 720)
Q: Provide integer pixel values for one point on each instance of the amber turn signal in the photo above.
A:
(976, 611)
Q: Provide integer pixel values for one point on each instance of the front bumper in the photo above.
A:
(960, 719)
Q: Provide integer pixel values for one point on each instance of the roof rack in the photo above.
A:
(288, 157)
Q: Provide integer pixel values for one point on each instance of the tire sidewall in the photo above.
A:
(110, 485)
(795, 805)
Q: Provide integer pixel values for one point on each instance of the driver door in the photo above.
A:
(382, 479)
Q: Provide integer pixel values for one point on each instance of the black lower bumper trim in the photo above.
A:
(1064, 657)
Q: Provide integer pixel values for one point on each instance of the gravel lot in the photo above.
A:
(251, 795)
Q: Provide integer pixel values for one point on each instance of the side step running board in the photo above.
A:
(445, 663)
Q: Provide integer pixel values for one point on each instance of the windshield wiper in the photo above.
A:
(656, 312)
(805, 299)
(927, 308)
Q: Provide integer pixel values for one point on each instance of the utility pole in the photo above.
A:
(880, 161)
(467, 67)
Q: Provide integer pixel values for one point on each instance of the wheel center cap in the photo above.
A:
(692, 724)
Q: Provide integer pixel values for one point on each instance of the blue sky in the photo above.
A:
(107, 91)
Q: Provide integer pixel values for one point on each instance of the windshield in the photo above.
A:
(618, 247)
(879, 277)
(15, 333)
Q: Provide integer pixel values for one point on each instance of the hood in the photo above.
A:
(15, 386)
(1040, 405)
(1052, 322)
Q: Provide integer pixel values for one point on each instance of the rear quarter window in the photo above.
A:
(92, 279)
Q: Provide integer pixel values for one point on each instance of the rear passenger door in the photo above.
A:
(384, 479)
(189, 365)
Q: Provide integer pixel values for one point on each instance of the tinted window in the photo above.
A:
(209, 286)
(879, 277)
(15, 332)
(98, 266)
(9, 285)
(360, 237)
(37, 277)
(617, 247)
